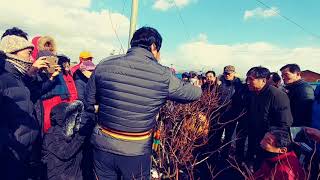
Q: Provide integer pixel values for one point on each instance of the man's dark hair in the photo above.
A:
(258, 72)
(282, 137)
(15, 31)
(145, 37)
(275, 77)
(192, 74)
(214, 74)
(185, 75)
(293, 68)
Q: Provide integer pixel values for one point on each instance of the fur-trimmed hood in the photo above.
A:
(66, 117)
(47, 39)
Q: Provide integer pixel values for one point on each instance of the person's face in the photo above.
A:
(66, 66)
(268, 143)
(289, 77)
(255, 84)
(229, 75)
(86, 59)
(48, 46)
(25, 54)
(210, 77)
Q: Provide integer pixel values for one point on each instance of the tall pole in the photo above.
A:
(133, 20)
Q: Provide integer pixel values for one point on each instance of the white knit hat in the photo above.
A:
(11, 44)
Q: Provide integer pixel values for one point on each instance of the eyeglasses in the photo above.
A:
(227, 73)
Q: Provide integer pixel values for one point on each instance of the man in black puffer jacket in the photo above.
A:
(130, 90)
(300, 93)
(18, 126)
(267, 106)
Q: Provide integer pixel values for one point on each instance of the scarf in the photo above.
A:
(21, 65)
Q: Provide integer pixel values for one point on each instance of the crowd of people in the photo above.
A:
(97, 122)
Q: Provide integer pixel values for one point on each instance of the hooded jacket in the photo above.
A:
(282, 167)
(39, 45)
(301, 97)
(62, 145)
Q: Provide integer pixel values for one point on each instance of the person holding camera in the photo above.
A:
(61, 90)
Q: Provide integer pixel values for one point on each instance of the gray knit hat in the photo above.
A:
(11, 44)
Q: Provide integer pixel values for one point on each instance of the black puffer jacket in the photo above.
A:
(301, 96)
(130, 90)
(232, 97)
(62, 144)
(271, 107)
(18, 126)
(81, 82)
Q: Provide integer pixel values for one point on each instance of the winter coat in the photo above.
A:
(81, 82)
(282, 167)
(130, 90)
(232, 97)
(62, 89)
(39, 45)
(18, 126)
(316, 109)
(301, 97)
(62, 144)
(270, 107)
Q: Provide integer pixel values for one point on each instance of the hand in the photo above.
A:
(56, 72)
(37, 65)
(313, 133)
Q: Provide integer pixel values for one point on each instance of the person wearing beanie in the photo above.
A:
(19, 128)
(62, 144)
(280, 162)
(62, 90)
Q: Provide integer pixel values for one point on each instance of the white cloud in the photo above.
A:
(164, 5)
(261, 13)
(74, 26)
(203, 55)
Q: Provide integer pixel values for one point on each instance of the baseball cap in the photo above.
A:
(85, 54)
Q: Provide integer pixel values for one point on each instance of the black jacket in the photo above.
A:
(130, 90)
(62, 144)
(232, 98)
(271, 107)
(81, 82)
(18, 126)
(301, 96)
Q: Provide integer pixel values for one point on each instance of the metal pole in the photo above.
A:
(133, 20)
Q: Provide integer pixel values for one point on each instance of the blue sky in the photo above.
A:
(223, 21)
(215, 33)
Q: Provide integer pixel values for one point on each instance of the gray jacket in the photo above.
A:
(131, 89)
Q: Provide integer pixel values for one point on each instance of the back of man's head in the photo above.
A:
(293, 68)
(275, 77)
(15, 31)
(145, 37)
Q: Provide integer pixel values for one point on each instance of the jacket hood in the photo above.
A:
(66, 116)
(47, 39)
(35, 51)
